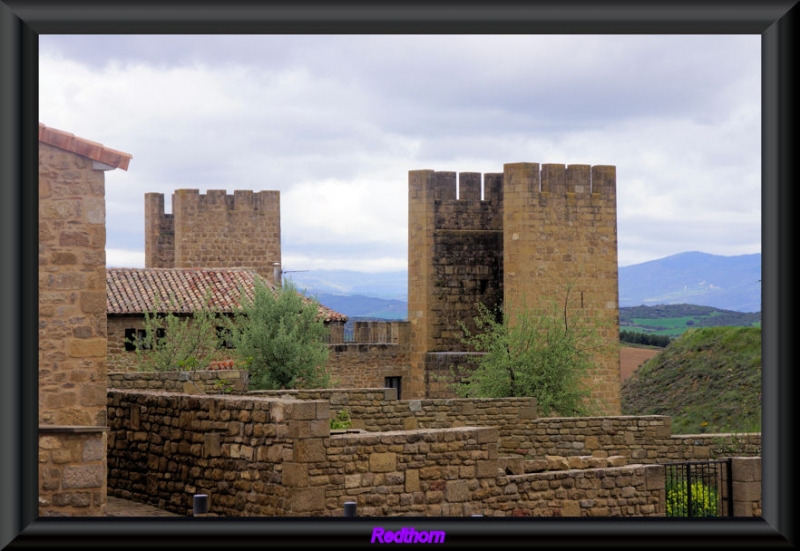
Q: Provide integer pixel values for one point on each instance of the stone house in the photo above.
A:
(131, 292)
(72, 322)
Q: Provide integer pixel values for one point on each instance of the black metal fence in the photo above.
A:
(699, 489)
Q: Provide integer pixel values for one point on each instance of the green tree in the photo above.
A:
(171, 342)
(541, 353)
(282, 339)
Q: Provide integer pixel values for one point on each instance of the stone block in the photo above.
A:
(617, 461)
(570, 508)
(746, 491)
(94, 450)
(88, 348)
(83, 476)
(295, 475)
(309, 450)
(211, 445)
(308, 500)
(556, 463)
(456, 491)
(654, 477)
(382, 462)
(412, 481)
(487, 435)
(301, 411)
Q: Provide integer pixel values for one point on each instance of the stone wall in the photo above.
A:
(72, 290)
(164, 448)
(72, 322)
(536, 234)
(72, 471)
(276, 456)
(560, 244)
(214, 230)
(360, 365)
(223, 381)
(746, 477)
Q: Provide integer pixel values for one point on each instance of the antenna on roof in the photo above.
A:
(277, 273)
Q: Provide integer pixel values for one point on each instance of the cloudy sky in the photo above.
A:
(335, 123)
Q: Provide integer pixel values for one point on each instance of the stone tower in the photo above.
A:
(536, 233)
(214, 230)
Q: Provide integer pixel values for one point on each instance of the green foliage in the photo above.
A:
(708, 380)
(173, 342)
(672, 320)
(636, 337)
(281, 338)
(342, 420)
(704, 499)
(544, 354)
(223, 386)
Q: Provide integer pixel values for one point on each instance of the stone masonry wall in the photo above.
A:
(223, 381)
(560, 244)
(72, 290)
(72, 471)
(215, 230)
(540, 233)
(72, 333)
(159, 233)
(355, 365)
(257, 456)
(746, 477)
(639, 439)
(164, 448)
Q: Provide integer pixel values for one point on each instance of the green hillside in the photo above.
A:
(673, 319)
(707, 380)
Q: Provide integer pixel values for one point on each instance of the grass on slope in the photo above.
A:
(707, 380)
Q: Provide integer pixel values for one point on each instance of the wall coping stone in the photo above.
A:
(74, 429)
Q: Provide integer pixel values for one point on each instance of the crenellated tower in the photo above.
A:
(534, 234)
(214, 230)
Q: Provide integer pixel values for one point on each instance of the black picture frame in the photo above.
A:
(22, 21)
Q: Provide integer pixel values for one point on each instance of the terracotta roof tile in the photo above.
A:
(91, 150)
(136, 290)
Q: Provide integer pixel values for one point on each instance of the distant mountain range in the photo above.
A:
(725, 282)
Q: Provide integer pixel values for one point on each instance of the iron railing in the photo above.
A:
(699, 489)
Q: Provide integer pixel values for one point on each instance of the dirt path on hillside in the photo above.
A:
(630, 359)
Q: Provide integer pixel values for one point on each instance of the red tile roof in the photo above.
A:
(135, 290)
(91, 150)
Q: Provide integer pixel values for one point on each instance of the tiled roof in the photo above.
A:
(91, 150)
(136, 290)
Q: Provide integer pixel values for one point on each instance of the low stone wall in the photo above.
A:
(366, 365)
(746, 477)
(164, 448)
(275, 456)
(378, 410)
(640, 439)
(72, 471)
(223, 381)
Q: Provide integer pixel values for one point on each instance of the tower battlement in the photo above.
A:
(534, 232)
(214, 230)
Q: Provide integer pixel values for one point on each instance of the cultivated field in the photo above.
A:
(631, 358)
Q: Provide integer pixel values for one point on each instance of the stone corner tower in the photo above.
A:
(533, 233)
(215, 230)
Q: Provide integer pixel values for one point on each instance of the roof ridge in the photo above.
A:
(86, 148)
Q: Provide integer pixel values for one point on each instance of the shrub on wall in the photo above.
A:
(282, 339)
(545, 353)
(172, 342)
(704, 499)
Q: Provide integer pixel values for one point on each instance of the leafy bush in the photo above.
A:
(704, 499)
(546, 353)
(282, 339)
(342, 420)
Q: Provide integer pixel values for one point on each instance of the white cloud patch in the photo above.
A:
(336, 122)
